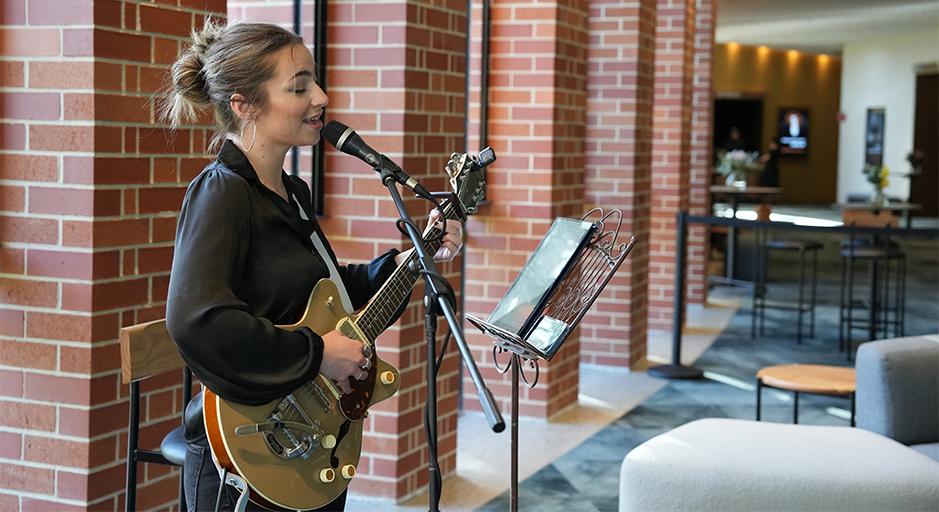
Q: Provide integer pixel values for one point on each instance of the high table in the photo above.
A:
(736, 195)
(902, 208)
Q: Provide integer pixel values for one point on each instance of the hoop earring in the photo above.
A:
(254, 135)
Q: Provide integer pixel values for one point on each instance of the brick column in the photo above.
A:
(396, 75)
(618, 147)
(670, 149)
(91, 186)
(702, 117)
(537, 114)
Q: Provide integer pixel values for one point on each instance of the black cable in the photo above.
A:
(431, 444)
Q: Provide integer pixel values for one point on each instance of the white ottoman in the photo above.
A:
(724, 464)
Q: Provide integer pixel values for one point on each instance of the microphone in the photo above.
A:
(346, 140)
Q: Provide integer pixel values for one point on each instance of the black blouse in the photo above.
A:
(244, 262)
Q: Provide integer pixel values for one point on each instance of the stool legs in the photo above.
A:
(814, 292)
(849, 344)
(795, 407)
(844, 273)
(853, 408)
(801, 286)
(759, 397)
(901, 294)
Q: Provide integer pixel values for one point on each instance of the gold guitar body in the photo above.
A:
(320, 475)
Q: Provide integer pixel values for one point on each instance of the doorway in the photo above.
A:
(744, 113)
(924, 187)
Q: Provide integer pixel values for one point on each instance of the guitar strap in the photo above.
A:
(324, 255)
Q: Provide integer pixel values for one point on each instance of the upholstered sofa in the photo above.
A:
(728, 464)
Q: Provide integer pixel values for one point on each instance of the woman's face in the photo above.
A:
(293, 115)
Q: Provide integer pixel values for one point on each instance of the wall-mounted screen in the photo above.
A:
(793, 131)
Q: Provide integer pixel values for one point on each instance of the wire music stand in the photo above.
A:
(568, 302)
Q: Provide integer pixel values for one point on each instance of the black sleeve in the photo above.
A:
(237, 355)
(362, 281)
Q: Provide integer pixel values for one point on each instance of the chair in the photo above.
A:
(147, 351)
(881, 256)
(898, 391)
(802, 247)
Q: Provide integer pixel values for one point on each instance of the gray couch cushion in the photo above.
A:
(898, 388)
(725, 465)
(930, 450)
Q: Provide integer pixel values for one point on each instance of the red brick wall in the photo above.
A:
(537, 123)
(618, 147)
(395, 74)
(670, 149)
(702, 113)
(90, 191)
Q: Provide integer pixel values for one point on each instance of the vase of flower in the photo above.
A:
(878, 198)
(736, 166)
(877, 176)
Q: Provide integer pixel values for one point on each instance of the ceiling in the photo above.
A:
(820, 25)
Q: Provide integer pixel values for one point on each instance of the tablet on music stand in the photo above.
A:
(519, 317)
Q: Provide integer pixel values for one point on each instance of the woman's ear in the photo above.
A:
(240, 106)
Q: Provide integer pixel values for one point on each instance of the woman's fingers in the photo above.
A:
(452, 241)
(344, 386)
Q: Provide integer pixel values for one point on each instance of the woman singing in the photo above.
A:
(244, 260)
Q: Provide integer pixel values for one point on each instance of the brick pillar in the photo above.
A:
(396, 75)
(670, 149)
(91, 186)
(619, 144)
(538, 101)
(702, 118)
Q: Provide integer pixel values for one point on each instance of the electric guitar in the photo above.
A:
(300, 452)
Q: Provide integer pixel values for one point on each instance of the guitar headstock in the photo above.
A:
(468, 179)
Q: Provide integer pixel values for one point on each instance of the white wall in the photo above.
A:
(880, 73)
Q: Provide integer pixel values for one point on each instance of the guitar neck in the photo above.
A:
(378, 312)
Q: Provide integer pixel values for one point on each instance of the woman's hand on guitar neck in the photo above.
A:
(452, 238)
(342, 360)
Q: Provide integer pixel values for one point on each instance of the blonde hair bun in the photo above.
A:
(222, 61)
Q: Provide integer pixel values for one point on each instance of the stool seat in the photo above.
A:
(872, 252)
(794, 245)
(809, 378)
(173, 447)
(866, 242)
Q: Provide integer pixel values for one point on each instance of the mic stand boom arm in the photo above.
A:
(435, 298)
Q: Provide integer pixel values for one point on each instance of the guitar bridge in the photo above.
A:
(285, 438)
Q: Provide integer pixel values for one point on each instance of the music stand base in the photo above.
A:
(672, 371)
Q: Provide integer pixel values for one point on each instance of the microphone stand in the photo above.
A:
(435, 299)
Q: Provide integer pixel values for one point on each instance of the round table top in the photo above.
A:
(809, 378)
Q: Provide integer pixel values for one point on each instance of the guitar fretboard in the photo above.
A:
(376, 314)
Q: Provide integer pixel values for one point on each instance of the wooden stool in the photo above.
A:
(816, 379)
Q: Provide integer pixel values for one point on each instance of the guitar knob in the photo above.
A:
(327, 475)
(348, 471)
(387, 377)
(328, 442)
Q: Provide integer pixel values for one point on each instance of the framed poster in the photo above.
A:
(874, 137)
(793, 131)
